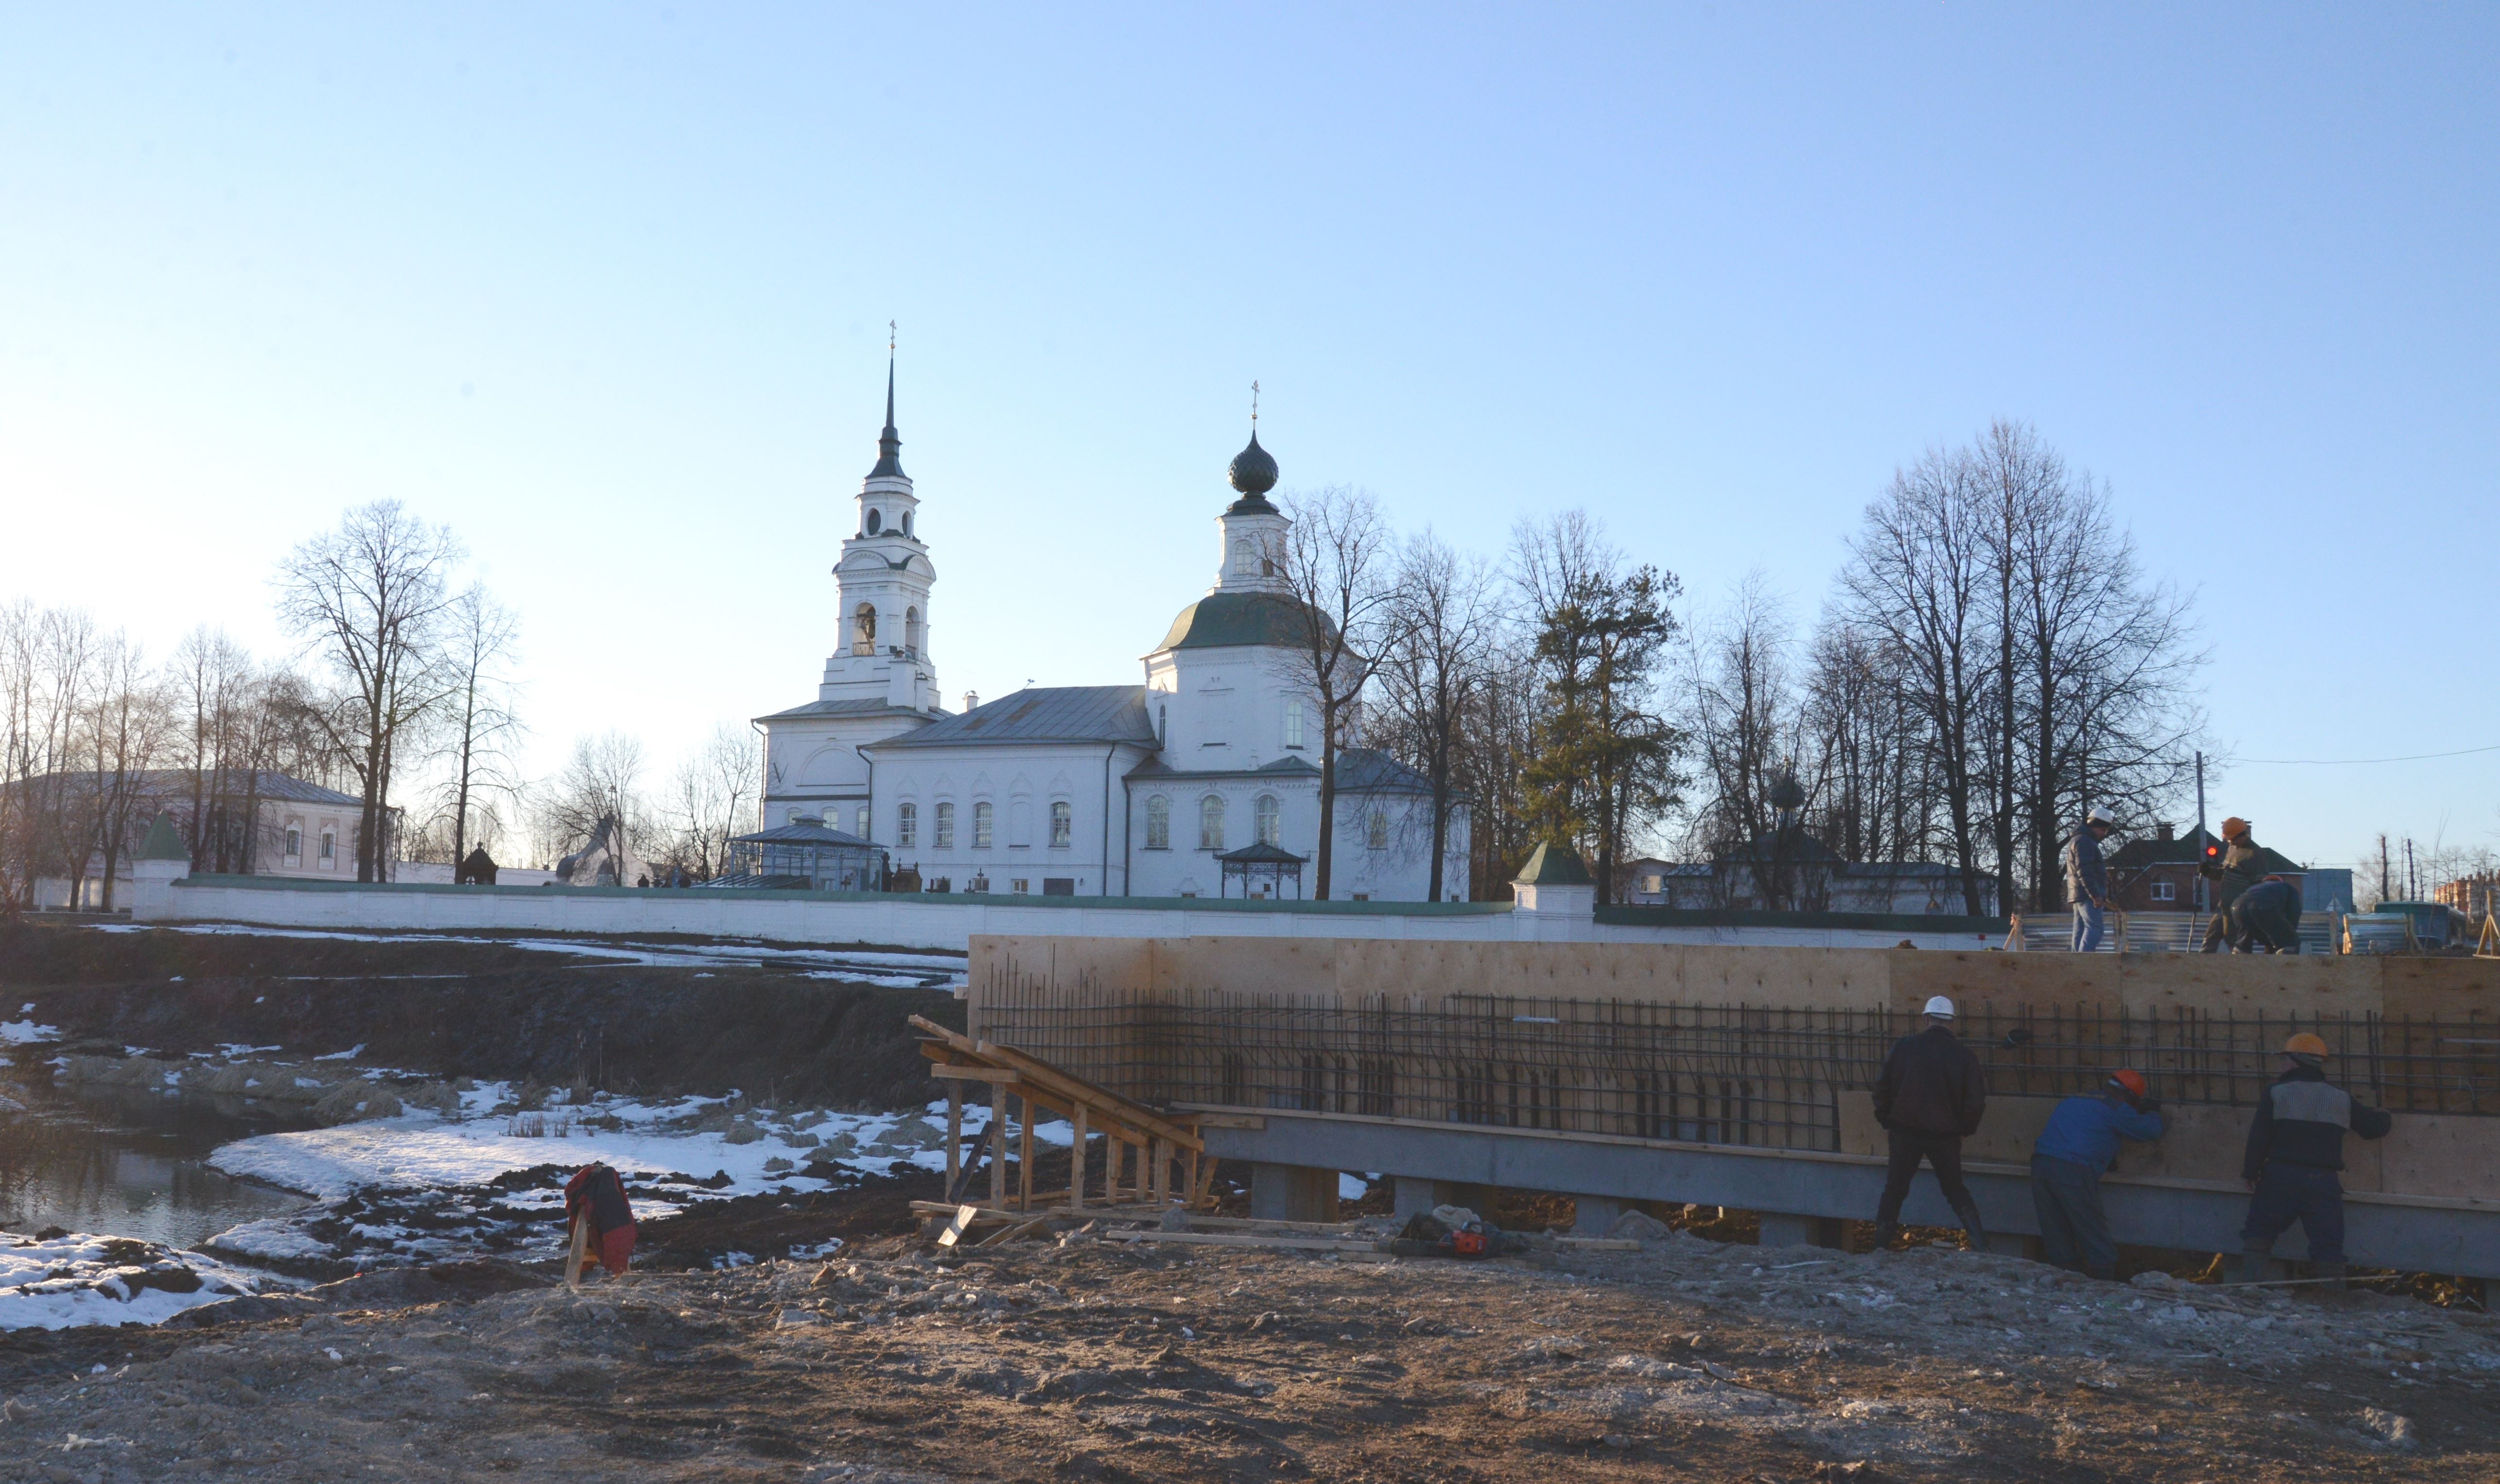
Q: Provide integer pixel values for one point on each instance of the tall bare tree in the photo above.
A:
(480, 640)
(1747, 727)
(126, 726)
(601, 780)
(1919, 577)
(1335, 560)
(369, 598)
(1439, 632)
(712, 793)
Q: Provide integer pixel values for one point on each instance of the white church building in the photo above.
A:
(1201, 781)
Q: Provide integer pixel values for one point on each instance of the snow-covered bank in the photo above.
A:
(67, 1279)
(890, 970)
(425, 1187)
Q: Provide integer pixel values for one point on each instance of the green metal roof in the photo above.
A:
(1221, 619)
(1554, 865)
(163, 843)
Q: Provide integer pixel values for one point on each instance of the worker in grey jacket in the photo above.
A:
(2088, 878)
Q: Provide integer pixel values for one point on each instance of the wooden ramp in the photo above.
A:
(1150, 1157)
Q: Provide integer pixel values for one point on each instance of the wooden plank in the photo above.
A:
(1013, 1231)
(998, 1164)
(1024, 1166)
(1243, 1239)
(954, 1073)
(954, 1133)
(1067, 1085)
(1076, 1163)
(1232, 1120)
(964, 1217)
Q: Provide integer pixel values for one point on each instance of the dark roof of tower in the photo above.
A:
(889, 443)
(1253, 473)
(1239, 618)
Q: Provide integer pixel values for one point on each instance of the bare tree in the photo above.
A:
(210, 674)
(1919, 577)
(1334, 562)
(603, 780)
(47, 662)
(711, 793)
(1747, 730)
(125, 729)
(481, 637)
(369, 598)
(1439, 633)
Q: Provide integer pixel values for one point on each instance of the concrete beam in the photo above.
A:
(1594, 1213)
(1292, 1192)
(1417, 1197)
(2453, 1240)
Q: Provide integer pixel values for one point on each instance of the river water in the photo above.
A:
(125, 1163)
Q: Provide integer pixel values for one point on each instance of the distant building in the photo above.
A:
(1803, 875)
(2469, 894)
(2159, 874)
(243, 824)
(1143, 790)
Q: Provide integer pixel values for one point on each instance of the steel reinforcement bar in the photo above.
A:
(1713, 1074)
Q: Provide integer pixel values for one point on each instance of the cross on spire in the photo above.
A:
(1254, 404)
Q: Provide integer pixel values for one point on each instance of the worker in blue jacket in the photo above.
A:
(2082, 1136)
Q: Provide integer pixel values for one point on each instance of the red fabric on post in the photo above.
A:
(596, 1194)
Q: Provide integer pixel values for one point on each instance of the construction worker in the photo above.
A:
(2295, 1147)
(1929, 1098)
(2265, 919)
(2087, 879)
(2083, 1136)
(2234, 873)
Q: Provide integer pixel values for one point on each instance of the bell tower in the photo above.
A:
(883, 579)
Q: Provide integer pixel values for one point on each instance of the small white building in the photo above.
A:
(1095, 791)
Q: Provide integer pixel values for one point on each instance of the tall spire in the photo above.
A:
(889, 443)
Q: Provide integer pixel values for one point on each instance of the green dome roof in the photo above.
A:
(1239, 618)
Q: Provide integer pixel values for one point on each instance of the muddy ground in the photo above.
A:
(1092, 1360)
(477, 1010)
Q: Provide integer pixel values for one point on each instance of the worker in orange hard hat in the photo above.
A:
(2233, 867)
(2295, 1149)
(2082, 1137)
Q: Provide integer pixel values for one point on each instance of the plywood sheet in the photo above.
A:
(2006, 982)
(1293, 966)
(2450, 988)
(2250, 983)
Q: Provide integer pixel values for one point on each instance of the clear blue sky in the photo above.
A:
(606, 288)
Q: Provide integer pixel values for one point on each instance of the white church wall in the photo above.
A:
(946, 923)
(1019, 786)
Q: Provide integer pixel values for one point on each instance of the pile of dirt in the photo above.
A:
(1089, 1360)
(490, 1012)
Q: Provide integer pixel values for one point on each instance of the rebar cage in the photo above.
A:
(1712, 1073)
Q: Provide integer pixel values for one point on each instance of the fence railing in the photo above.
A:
(2155, 932)
(1719, 1074)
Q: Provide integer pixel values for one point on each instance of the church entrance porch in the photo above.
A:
(1261, 870)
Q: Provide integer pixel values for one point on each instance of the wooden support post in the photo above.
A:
(1188, 1180)
(999, 1134)
(1024, 1120)
(1077, 1161)
(1160, 1181)
(955, 1133)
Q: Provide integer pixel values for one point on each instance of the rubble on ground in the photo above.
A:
(1104, 1357)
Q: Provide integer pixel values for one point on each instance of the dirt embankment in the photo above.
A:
(486, 1011)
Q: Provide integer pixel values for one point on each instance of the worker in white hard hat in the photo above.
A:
(1930, 1096)
(2088, 878)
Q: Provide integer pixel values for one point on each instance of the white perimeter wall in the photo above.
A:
(910, 921)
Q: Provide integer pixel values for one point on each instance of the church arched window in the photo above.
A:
(981, 833)
(1375, 830)
(1211, 823)
(913, 636)
(907, 530)
(1268, 818)
(946, 840)
(875, 521)
(1158, 823)
(1063, 824)
(907, 825)
(1163, 725)
(864, 630)
(1294, 721)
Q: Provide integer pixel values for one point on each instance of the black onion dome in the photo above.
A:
(1252, 470)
